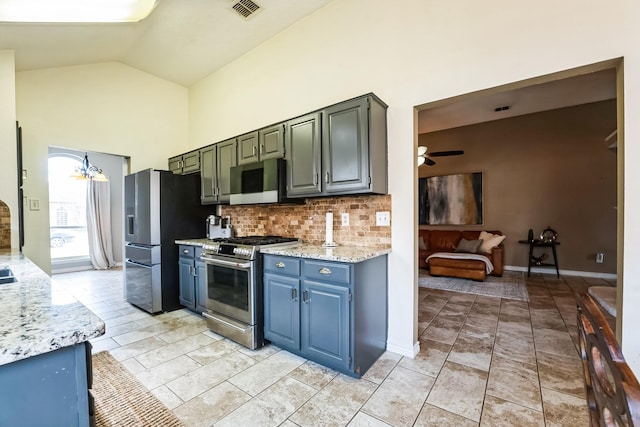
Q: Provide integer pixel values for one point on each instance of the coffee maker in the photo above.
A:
(218, 227)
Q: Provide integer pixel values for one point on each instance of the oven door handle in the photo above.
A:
(224, 263)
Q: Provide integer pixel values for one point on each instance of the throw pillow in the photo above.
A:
(470, 246)
(421, 244)
(489, 241)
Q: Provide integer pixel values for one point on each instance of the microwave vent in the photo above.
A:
(245, 8)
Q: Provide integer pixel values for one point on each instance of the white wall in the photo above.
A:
(414, 53)
(8, 169)
(109, 108)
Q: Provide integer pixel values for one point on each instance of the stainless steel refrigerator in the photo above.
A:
(160, 207)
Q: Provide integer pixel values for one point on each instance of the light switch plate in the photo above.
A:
(383, 219)
(345, 219)
(34, 204)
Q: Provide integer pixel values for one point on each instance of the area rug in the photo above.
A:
(512, 285)
(122, 401)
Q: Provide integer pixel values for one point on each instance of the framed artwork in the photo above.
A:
(451, 199)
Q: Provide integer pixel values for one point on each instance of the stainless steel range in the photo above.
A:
(234, 286)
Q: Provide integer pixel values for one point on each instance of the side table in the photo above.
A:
(541, 244)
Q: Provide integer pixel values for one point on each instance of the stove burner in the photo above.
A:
(260, 240)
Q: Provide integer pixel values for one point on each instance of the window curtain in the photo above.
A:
(99, 225)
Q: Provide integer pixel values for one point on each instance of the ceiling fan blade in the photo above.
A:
(429, 162)
(446, 153)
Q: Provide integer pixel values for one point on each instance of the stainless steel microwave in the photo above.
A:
(260, 182)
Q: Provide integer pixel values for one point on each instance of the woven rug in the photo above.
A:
(122, 401)
(512, 285)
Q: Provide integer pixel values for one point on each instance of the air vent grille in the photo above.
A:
(245, 8)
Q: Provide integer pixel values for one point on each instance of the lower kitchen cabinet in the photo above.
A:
(333, 313)
(191, 273)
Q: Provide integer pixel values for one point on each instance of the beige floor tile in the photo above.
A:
(261, 375)
(431, 416)
(260, 353)
(363, 420)
(497, 412)
(485, 310)
(214, 351)
(167, 371)
(564, 410)
(561, 373)
(515, 381)
(183, 332)
(272, 406)
(430, 360)
(136, 348)
(472, 351)
(400, 397)
(446, 392)
(197, 381)
(383, 366)
(173, 350)
(555, 342)
(480, 327)
(313, 374)
(515, 346)
(443, 330)
(547, 318)
(336, 404)
(133, 366)
(103, 345)
(514, 323)
(517, 308)
(167, 397)
(211, 406)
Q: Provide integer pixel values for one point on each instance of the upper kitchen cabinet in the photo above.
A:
(216, 162)
(185, 163)
(303, 155)
(267, 143)
(340, 150)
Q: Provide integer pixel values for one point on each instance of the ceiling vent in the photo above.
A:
(245, 8)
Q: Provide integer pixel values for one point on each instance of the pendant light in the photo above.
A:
(89, 172)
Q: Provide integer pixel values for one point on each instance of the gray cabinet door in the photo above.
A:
(325, 323)
(345, 147)
(185, 275)
(303, 155)
(175, 165)
(248, 148)
(191, 162)
(201, 286)
(208, 179)
(227, 157)
(282, 310)
(271, 142)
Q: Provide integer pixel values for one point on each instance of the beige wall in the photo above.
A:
(8, 169)
(109, 108)
(546, 169)
(412, 55)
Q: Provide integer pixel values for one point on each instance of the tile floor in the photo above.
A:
(483, 361)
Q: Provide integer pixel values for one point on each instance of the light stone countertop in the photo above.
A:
(37, 315)
(350, 254)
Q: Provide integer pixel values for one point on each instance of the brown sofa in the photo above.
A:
(447, 241)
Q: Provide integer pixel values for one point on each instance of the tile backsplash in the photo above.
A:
(307, 221)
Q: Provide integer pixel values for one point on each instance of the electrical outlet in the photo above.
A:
(383, 218)
(34, 204)
(345, 219)
(599, 257)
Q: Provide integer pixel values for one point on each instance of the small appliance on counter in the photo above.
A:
(218, 227)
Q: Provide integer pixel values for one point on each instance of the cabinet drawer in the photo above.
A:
(198, 251)
(187, 250)
(282, 265)
(327, 271)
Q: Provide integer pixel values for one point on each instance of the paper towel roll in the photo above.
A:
(328, 239)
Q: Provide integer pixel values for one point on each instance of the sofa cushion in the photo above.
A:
(421, 244)
(470, 246)
(489, 241)
(444, 240)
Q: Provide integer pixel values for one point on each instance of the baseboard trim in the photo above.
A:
(404, 351)
(547, 270)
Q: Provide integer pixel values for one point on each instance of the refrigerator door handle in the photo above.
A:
(130, 222)
(139, 264)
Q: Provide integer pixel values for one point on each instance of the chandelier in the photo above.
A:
(89, 172)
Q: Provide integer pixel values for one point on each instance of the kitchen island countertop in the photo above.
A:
(351, 254)
(39, 315)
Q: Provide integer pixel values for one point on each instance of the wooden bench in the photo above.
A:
(613, 392)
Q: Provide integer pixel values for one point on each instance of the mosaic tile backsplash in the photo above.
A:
(307, 221)
(5, 226)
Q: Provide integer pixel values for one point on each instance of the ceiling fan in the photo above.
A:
(424, 158)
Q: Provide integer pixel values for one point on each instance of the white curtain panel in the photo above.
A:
(99, 225)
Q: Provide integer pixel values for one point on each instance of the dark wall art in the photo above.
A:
(451, 199)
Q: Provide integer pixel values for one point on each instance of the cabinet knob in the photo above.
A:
(324, 270)
(280, 264)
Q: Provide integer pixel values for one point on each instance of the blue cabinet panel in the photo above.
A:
(282, 310)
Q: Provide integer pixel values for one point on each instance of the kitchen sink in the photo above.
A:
(6, 276)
